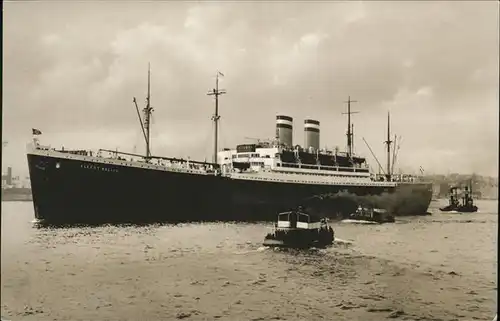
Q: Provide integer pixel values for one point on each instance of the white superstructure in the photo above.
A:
(265, 164)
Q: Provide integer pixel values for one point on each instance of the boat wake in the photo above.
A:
(458, 212)
(460, 221)
(337, 240)
(249, 251)
(349, 221)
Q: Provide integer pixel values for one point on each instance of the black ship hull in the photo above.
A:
(300, 239)
(70, 191)
(76, 191)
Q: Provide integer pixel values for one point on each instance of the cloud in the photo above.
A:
(433, 64)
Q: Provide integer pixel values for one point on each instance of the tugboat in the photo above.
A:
(365, 215)
(297, 229)
(467, 205)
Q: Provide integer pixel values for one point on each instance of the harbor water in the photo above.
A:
(439, 267)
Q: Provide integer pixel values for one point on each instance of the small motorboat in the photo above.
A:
(365, 215)
(297, 229)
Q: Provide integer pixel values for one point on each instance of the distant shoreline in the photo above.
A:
(477, 199)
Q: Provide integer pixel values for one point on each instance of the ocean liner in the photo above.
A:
(250, 182)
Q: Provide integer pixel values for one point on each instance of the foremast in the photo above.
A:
(147, 116)
(216, 92)
(147, 111)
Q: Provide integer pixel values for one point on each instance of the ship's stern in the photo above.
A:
(412, 198)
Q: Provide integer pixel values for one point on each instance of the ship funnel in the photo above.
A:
(311, 134)
(284, 130)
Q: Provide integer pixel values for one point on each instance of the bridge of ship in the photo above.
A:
(298, 220)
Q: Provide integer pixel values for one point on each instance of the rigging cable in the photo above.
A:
(209, 147)
(221, 135)
(153, 132)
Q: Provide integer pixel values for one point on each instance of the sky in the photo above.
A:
(71, 69)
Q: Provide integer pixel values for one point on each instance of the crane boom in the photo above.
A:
(373, 154)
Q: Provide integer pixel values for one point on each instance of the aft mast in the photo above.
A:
(216, 92)
(388, 142)
(352, 138)
(349, 131)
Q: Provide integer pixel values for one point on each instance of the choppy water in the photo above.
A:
(439, 267)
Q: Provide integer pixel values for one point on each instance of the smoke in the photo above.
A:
(406, 200)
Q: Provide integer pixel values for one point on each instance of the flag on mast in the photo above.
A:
(220, 73)
(35, 131)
